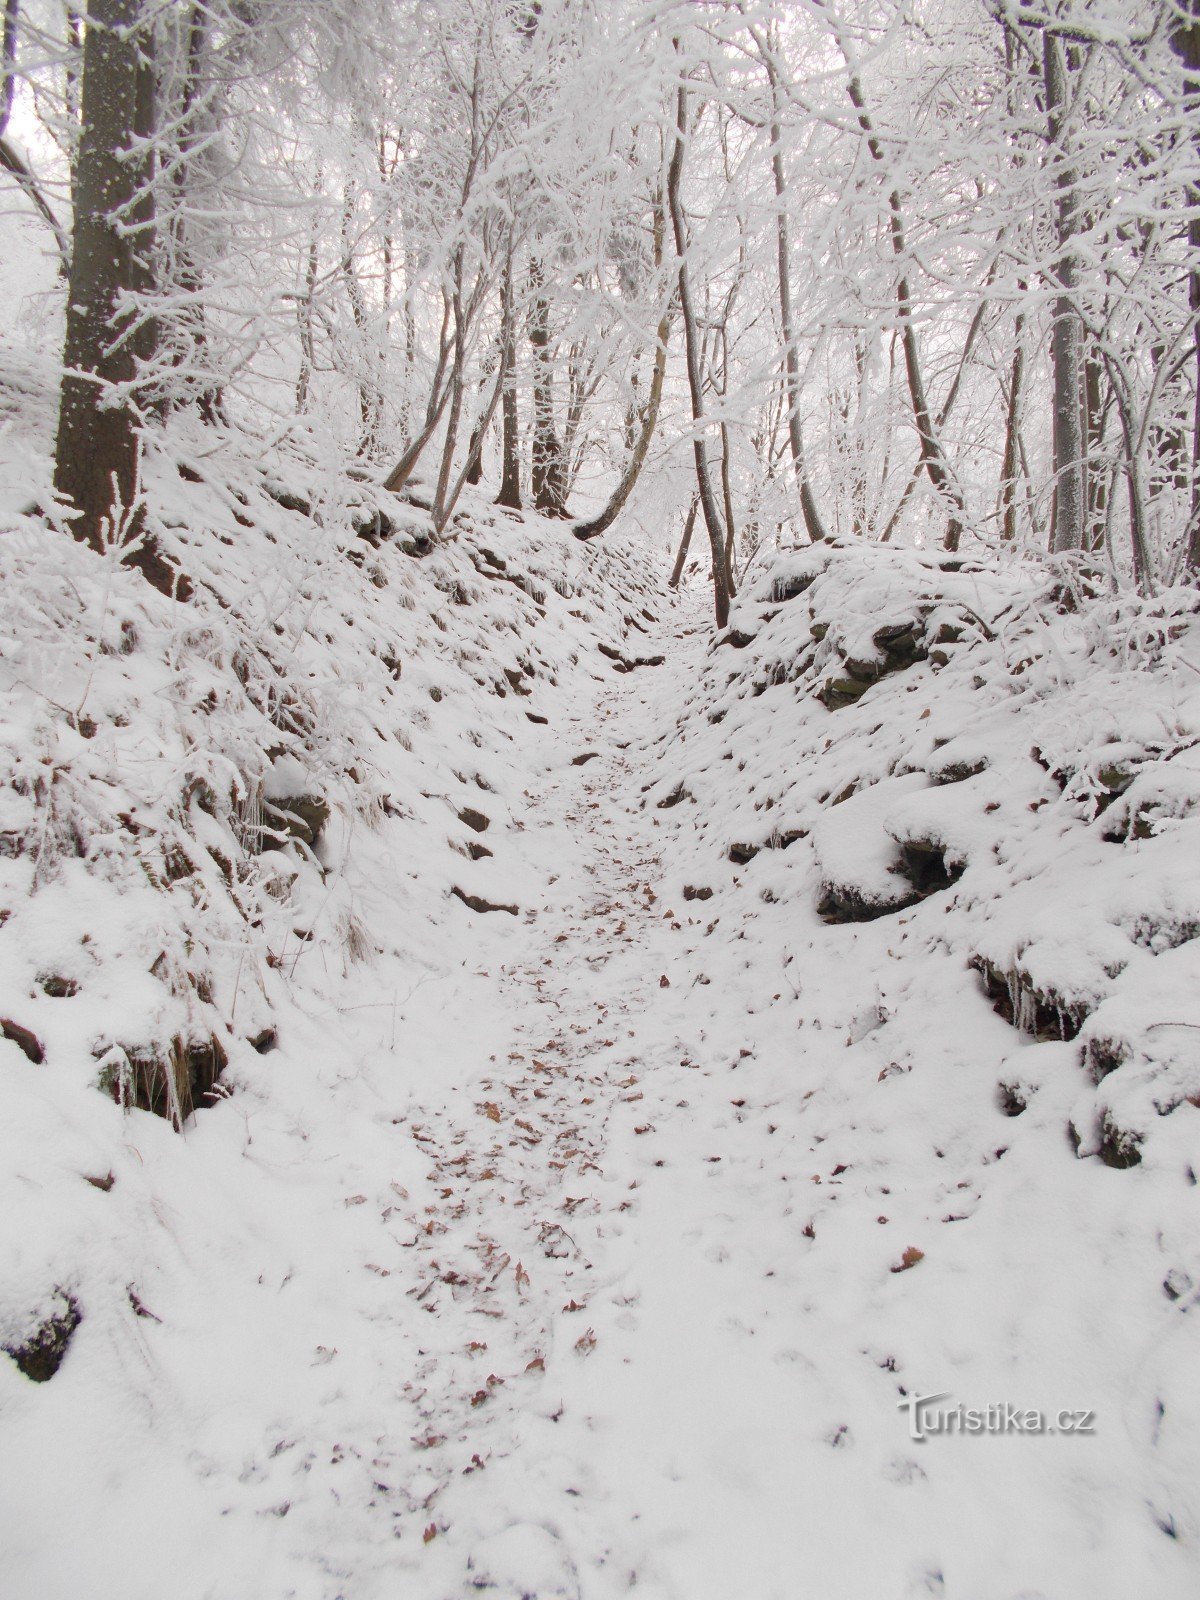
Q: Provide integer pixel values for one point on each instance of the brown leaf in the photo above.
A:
(909, 1259)
(491, 1109)
(430, 1532)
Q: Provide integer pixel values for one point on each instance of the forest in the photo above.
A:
(599, 799)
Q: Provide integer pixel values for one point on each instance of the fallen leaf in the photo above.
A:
(909, 1259)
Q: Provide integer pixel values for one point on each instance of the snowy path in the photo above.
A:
(678, 1397)
(609, 1258)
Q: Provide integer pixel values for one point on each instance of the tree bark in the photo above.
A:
(549, 479)
(1012, 424)
(510, 433)
(712, 516)
(1185, 41)
(98, 452)
(684, 543)
(1070, 494)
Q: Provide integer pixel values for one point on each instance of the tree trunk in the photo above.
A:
(1070, 495)
(1185, 41)
(510, 433)
(549, 486)
(97, 463)
(1008, 471)
(712, 516)
(684, 543)
(439, 393)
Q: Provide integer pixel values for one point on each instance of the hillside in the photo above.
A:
(609, 1084)
(599, 800)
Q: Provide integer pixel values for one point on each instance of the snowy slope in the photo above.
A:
(830, 1039)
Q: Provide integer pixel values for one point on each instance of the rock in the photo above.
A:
(740, 854)
(300, 817)
(263, 1041)
(792, 588)
(837, 693)
(1119, 1147)
(844, 902)
(1044, 1014)
(1177, 1283)
(477, 851)
(470, 818)
(588, 755)
(1104, 1055)
(957, 772)
(677, 794)
(476, 902)
(58, 987)
(41, 1354)
(171, 1084)
(923, 862)
(692, 893)
(1013, 1099)
(24, 1038)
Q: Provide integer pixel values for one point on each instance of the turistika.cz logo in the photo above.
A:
(928, 1418)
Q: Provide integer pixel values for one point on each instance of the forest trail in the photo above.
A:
(613, 1380)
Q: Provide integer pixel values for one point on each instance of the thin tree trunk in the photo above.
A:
(712, 516)
(1009, 467)
(457, 385)
(439, 394)
(1096, 482)
(727, 503)
(305, 312)
(97, 461)
(444, 508)
(684, 543)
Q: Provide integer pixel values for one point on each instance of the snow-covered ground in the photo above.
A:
(598, 1242)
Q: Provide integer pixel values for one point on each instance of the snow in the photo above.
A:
(592, 1247)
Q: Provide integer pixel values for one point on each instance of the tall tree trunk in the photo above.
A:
(97, 461)
(305, 311)
(1070, 494)
(649, 414)
(708, 503)
(1012, 424)
(549, 479)
(510, 432)
(1185, 41)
